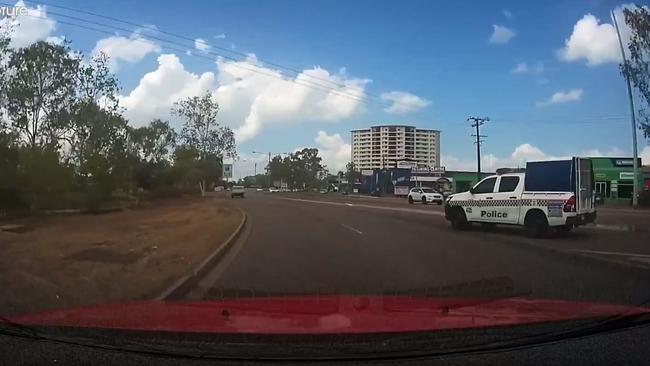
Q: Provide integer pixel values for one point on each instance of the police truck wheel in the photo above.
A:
(459, 220)
(536, 225)
(410, 200)
(424, 200)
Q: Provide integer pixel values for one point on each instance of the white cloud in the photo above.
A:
(251, 96)
(612, 152)
(451, 162)
(334, 151)
(220, 36)
(645, 156)
(30, 28)
(520, 156)
(201, 45)
(572, 95)
(123, 49)
(508, 14)
(403, 102)
(501, 34)
(55, 40)
(159, 89)
(596, 42)
(521, 68)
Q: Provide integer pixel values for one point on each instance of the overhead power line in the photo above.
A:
(180, 36)
(308, 83)
(599, 118)
(237, 64)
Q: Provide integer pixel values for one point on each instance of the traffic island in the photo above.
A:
(78, 260)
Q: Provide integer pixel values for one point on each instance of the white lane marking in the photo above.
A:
(611, 253)
(352, 229)
(609, 227)
(409, 210)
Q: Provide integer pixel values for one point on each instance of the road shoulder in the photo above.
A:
(79, 260)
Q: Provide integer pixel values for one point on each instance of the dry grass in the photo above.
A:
(75, 260)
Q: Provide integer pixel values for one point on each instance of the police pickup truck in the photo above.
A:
(548, 195)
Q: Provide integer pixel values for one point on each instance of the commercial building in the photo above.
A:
(397, 181)
(614, 177)
(380, 147)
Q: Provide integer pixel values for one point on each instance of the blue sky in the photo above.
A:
(438, 51)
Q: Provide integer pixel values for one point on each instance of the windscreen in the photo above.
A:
(292, 167)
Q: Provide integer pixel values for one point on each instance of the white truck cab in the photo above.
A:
(554, 194)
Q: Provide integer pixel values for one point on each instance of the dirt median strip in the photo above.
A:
(178, 289)
(78, 260)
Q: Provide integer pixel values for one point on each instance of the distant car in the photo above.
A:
(260, 189)
(237, 191)
(425, 195)
(274, 190)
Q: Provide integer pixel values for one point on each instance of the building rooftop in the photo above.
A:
(389, 125)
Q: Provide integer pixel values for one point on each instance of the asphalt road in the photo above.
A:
(297, 244)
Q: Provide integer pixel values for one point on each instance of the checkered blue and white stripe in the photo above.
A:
(501, 203)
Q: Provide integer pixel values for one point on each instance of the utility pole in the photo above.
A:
(635, 153)
(268, 167)
(477, 122)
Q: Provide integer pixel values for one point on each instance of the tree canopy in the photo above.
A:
(636, 68)
(300, 170)
(65, 143)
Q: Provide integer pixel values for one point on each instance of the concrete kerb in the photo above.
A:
(185, 283)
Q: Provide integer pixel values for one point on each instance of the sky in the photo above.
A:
(289, 74)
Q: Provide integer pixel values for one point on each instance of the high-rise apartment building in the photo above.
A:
(383, 146)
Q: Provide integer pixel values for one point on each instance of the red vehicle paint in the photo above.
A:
(323, 314)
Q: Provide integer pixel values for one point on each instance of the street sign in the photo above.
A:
(407, 164)
(625, 175)
(227, 171)
(401, 191)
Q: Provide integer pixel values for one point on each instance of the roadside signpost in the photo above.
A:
(227, 172)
